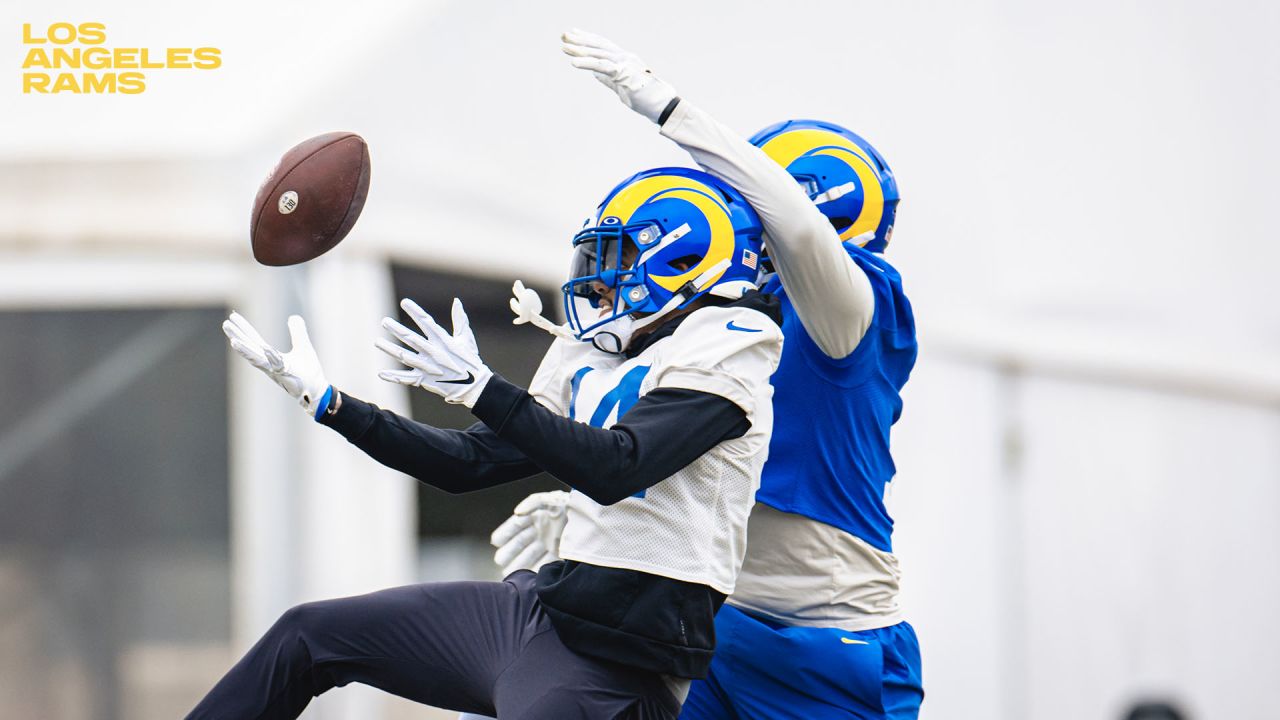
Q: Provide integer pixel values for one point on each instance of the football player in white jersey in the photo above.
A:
(662, 439)
(814, 629)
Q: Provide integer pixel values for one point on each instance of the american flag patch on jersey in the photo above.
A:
(750, 259)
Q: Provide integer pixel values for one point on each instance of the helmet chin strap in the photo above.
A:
(622, 337)
(533, 313)
(693, 287)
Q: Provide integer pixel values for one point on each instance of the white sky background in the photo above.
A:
(1101, 168)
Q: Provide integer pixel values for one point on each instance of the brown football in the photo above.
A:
(311, 199)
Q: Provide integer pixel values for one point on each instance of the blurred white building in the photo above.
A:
(1089, 457)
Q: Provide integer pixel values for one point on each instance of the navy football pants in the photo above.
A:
(469, 646)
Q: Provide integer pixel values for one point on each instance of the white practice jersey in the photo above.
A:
(691, 526)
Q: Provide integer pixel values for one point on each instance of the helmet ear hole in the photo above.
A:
(684, 262)
(840, 222)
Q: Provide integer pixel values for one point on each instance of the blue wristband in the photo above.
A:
(323, 406)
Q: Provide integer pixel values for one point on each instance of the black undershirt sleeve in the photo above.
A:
(455, 461)
(663, 432)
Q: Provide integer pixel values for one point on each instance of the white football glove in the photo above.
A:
(297, 371)
(620, 71)
(446, 364)
(530, 538)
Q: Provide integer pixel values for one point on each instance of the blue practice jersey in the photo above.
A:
(829, 458)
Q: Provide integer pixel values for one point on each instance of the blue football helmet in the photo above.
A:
(848, 180)
(660, 240)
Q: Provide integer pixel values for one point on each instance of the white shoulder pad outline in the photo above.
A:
(727, 351)
(716, 333)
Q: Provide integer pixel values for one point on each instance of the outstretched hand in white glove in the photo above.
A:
(530, 538)
(620, 71)
(447, 364)
(297, 371)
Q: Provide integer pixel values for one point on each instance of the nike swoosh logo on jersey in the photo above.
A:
(851, 641)
(470, 379)
(731, 326)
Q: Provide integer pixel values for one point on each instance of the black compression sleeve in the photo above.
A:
(663, 432)
(453, 460)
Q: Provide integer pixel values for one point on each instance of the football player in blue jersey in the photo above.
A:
(814, 628)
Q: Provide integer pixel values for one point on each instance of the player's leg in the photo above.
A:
(707, 698)
(548, 681)
(903, 680)
(442, 644)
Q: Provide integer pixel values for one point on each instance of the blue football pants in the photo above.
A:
(763, 670)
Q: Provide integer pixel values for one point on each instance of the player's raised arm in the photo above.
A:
(832, 295)
(452, 460)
